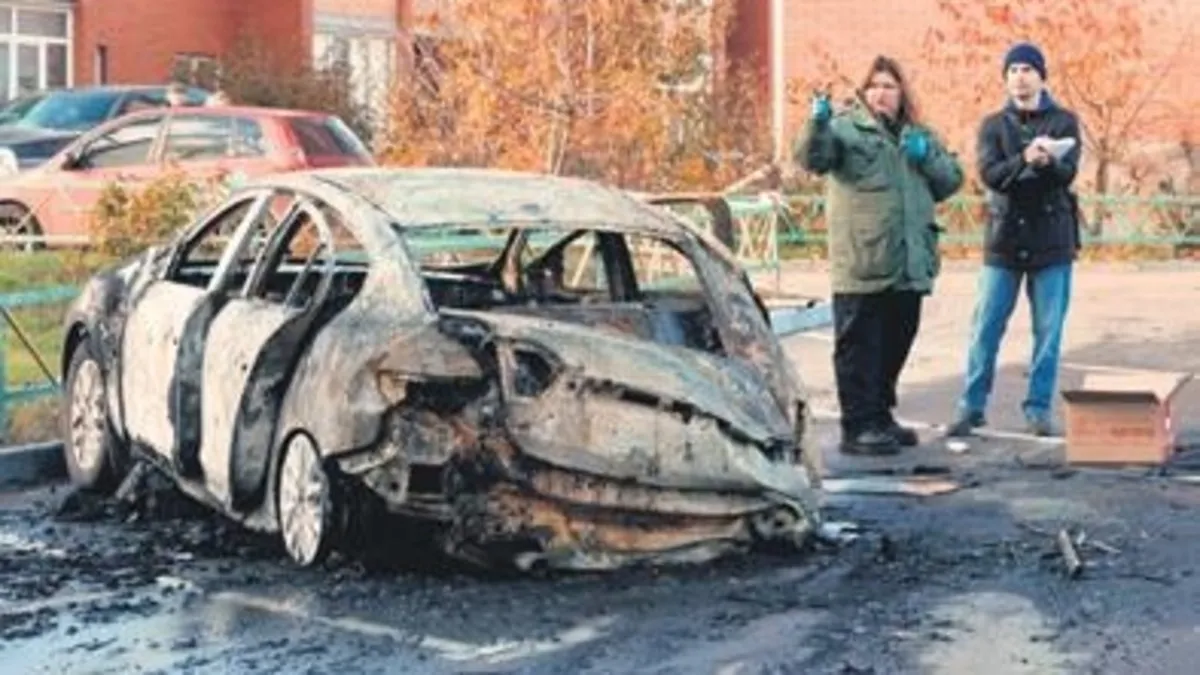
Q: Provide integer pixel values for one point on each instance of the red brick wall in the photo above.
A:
(143, 36)
(874, 27)
(285, 25)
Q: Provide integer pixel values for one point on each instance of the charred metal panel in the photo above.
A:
(186, 411)
(335, 393)
(248, 360)
(98, 314)
(718, 387)
(598, 433)
(150, 343)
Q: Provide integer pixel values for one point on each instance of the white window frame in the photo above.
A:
(15, 40)
(370, 45)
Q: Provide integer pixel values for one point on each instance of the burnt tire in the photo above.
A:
(15, 219)
(305, 502)
(94, 456)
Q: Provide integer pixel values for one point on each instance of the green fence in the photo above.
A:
(1166, 221)
(30, 338)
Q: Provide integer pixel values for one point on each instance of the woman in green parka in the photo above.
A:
(886, 172)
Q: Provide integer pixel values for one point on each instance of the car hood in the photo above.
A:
(34, 141)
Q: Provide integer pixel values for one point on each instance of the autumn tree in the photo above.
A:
(626, 91)
(1107, 61)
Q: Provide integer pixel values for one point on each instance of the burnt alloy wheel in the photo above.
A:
(15, 220)
(94, 456)
(305, 503)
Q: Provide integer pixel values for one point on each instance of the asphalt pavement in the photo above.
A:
(970, 581)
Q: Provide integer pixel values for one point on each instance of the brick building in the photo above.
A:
(56, 43)
(897, 29)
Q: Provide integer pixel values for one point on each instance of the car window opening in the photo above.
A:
(629, 283)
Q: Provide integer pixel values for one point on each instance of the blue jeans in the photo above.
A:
(1049, 293)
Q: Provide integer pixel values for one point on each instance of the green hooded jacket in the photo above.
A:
(879, 205)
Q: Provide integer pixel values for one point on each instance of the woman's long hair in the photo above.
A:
(907, 113)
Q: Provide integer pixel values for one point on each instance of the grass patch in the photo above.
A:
(28, 271)
(41, 323)
(33, 422)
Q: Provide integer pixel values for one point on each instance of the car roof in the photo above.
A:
(225, 110)
(112, 89)
(423, 197)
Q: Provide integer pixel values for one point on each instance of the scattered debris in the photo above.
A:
(913, 470)
(838, 532)
(1106, 548)
(883, 485)
(1081, 540)
(957, 446)
(1070, 555)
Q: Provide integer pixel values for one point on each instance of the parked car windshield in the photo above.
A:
(70, 110)
(16, 109)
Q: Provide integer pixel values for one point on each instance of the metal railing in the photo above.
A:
(1165, 221)
(30, 339)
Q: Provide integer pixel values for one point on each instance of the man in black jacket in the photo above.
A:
(1032, 236)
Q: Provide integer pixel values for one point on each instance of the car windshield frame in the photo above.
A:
(52, 111)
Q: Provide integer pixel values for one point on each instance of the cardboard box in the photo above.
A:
(1122, 418)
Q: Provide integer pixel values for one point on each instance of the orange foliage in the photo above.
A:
(602, 89)
(1106, 60)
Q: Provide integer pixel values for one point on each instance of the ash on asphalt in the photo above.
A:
(970, 580)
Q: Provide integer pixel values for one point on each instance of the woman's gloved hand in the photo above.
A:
(916, 145)
(822, 111)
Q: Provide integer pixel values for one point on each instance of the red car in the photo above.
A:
(55, 200)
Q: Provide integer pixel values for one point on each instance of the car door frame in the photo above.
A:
(242, 386)
(161, 341)
(74, 191)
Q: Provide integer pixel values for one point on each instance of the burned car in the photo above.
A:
(546, 371)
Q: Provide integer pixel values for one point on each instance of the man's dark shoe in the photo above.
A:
(965, 425)
(871, 442)
(904, 436)
(1039, 426)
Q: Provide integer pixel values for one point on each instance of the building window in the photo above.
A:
(367, 61)
(197, 70)
(35, 50)
(101, 62)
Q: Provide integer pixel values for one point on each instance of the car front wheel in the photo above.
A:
(305, 502)
(92, 452)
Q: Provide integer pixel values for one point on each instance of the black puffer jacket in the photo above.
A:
(1033, 214)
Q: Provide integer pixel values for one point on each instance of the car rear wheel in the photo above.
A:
(305, 502)
(93, 454)
(15, 220)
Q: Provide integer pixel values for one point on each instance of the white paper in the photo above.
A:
(1058, 146)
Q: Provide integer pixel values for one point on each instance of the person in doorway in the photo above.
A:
(1028, 154)
(886, 173)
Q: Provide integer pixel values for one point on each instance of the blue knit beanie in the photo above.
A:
(1027, 53)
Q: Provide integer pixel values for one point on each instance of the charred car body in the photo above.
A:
(548, 371)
